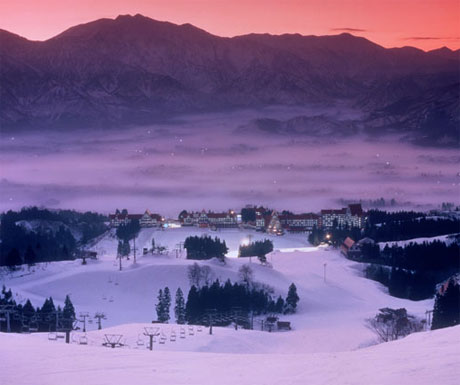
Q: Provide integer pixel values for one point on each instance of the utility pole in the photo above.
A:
(211, 313)
(151, 332)
(7, 310)
(134, 249)
(428, 315)
(84, 315)
(99, 316)
(249, 244)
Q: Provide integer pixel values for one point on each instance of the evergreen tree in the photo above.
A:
(193, 306)
(160, 306)
(13, 258)
(292, 299)
(29, 256)
(166, 304)
(179, 308)
(279, 305)
(68, 313)
(447, 307)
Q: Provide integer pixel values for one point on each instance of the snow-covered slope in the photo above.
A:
(450, 238)
(330, 314)
(423, 358)
(329, 343)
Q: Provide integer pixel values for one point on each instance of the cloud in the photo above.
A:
(348, 29)
(418, 38)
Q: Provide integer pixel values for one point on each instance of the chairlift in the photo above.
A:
(61, 335)
(52, 336)
(140, 342)
(83, 340)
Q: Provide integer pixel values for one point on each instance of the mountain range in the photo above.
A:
(136, 70)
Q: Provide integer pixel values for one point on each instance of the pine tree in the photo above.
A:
(68, 313)
(447, 307)
(160, 306)
(179, 309)
(29, 256)
(279, 305)
(13, 259)
(166, 304)
(192, 308)
(292, 299)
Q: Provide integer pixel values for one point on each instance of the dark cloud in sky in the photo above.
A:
(348, 29)
(421, 38)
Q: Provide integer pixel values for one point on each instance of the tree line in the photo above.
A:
(257, 249)
(205, 247)
(223, 299)
(411, 271)
(41, 319)
(20, 245)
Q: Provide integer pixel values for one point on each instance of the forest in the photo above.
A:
(56, 235)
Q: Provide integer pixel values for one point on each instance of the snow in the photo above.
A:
(449, 238)
(329, 342)
(422, 358)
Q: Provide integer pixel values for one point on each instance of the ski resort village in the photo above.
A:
(247, 296)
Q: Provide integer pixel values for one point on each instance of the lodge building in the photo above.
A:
(145, 220)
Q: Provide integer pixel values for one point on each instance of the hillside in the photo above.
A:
(336, 308)
(329, 342)
(135, 70)
(422, 359)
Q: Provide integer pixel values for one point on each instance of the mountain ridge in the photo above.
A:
(134, 70)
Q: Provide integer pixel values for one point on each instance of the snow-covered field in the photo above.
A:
(329, 343)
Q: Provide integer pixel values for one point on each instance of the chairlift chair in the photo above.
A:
(52, 336)
(83, 340)
(140, 342)
(61, 335)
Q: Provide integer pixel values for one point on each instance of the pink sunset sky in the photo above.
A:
(426, 24)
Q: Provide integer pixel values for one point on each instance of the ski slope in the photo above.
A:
(330, 313)
(449, 238)
(422, 359)
(329, 342)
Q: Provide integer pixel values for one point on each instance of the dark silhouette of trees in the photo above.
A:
(257, 249)
(205, 248)
(447, 306)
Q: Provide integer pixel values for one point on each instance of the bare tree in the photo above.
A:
(194, 275)
(246, 274)
(391, 324)
(198, 275)
(207, 275)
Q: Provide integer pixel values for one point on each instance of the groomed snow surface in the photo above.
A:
(329, 343)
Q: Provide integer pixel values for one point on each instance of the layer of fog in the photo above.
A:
(210, 162)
